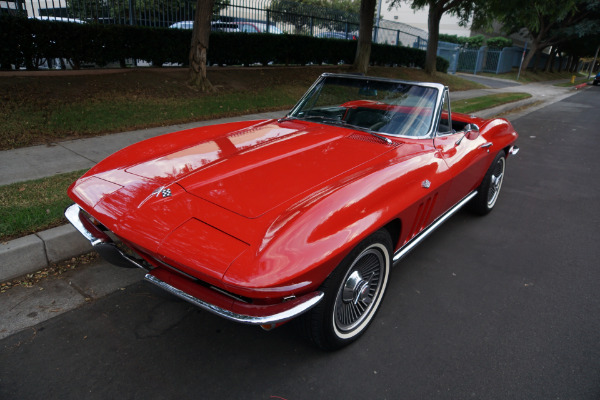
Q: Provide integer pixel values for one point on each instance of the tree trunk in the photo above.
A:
(561, 60)
(199, 45)
(536, 60)
(575, 67)
(569, 61)
(549, 60)
(555, 58)
(532, 50)
(365, 34)
(433, 24)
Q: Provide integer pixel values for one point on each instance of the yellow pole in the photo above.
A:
(573, 79)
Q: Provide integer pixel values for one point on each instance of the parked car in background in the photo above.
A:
(257, 27)
(338, 35)
(597, 79)
(263, 221)
(59, 19)
(215, 26)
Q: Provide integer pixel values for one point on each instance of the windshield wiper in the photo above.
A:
(287, 118)
(388, 141)
(324, 118)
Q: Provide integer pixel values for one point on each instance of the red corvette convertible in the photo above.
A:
(264, 221)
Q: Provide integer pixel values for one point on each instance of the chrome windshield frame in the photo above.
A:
(436, 109)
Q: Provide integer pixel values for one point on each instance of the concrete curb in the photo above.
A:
(33, 252)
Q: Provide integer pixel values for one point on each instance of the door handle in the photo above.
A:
(486, 145)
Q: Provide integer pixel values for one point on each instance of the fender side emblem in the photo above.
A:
(425, 184)
(164, 191)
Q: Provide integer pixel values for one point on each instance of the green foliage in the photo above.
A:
(449, 38)
(23, 40)
(473, 42)
(333, 15)
(499, 42)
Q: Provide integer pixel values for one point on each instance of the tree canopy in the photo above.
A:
(328, 14)
(547, 23)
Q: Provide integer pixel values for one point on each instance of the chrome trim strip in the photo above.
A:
(290, 309)
(513, 150)
(404, 250)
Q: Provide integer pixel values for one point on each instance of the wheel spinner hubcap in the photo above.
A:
(356, 289)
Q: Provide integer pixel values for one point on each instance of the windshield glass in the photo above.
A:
(392, 108)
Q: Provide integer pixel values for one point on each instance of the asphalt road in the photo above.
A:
(501, 307)
(493, 83)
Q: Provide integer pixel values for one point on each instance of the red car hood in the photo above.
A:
(253, 170)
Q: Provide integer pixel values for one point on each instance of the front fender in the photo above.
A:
(307, 241)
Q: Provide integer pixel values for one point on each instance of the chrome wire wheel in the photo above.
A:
(489, 189)
(496, 182)
(353, 294)
(359, 294)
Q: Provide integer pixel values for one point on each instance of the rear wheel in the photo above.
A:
(353, 294)
(489, 190)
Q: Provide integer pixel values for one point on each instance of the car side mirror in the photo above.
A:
(471, 131)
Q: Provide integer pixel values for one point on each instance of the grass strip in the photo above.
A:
(577, 82)
(32, 206)
(468, 106)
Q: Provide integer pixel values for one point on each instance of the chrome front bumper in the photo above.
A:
(200, 295)
(243, 312)
(100, 241)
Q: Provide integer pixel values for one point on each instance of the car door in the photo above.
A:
(465, 154)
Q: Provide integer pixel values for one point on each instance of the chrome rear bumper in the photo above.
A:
(189, 290)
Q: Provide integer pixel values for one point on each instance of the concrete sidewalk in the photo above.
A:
(31, 253)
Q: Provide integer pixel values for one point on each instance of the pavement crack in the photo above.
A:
(82, 292)
(76, 153)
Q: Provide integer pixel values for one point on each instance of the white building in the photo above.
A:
(418, 19)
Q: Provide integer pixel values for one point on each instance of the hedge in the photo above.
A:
(23, 42)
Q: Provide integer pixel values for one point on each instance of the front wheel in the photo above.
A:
(353, 293)
(489, 190)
